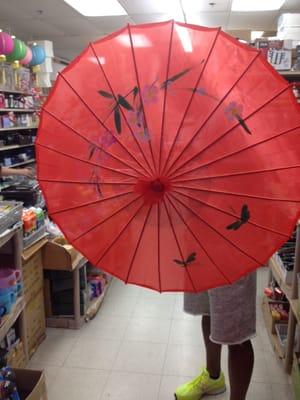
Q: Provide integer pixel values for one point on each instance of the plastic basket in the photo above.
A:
(10, 217)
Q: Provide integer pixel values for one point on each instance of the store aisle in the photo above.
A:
(140, 347)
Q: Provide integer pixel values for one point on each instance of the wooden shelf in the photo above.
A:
(10, 319)
(31, 161)
(276, 271)
(273, 336)
(17, 128)
(15, 146)
(294, 307)
(8, 234)
(19, 110)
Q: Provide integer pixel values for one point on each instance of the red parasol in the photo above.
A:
(169, 155)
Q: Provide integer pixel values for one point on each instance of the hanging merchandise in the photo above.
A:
(28, 57)
(38, 56)
(6, 43)
(6, 47)
(169, 156)
(18, 52)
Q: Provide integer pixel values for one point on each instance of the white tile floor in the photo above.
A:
(141, 346)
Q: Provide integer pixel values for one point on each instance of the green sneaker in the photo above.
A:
(201, 385)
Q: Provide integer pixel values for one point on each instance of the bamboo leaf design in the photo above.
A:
(105, 94)
(117, 118)
(189, 260)
(244, 218)
(243, 124)
(124, 103)
(92, 150)
(179, 262)
(135, 92)
(174, 78)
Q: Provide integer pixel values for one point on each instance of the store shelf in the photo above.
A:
(17, 128)
(15, 146)
(31, 161)
(10, 319)
(19, 110)
(291, 74)
(273, 336)
(15, 92)
(276, 271)
(8, 234)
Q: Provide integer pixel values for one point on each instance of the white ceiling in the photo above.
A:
(71, 32)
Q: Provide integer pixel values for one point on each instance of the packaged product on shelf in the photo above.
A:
(2, 100)
(9, 279)
(29, 222)
(7, 122)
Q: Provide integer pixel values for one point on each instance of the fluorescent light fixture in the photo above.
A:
(97, 8)
(192, 5)
(185, 38)
(256, 5)
(256, 35)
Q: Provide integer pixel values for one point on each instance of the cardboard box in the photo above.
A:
(35, 322)
(31, 384)
(32, 269)
(59, 255)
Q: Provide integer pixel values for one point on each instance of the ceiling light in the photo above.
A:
(13, 36)
(99, 8)
(256, 35)
(256, 5)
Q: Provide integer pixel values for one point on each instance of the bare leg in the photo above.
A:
(213, 350)
(240, 366)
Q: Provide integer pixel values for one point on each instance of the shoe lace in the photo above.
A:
(200, 379)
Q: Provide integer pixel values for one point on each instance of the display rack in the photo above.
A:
(11, 150)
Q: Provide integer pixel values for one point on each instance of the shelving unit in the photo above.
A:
(291, 292)
(31, 161)
(14, 238)
(12, 91)
(15, 146)
(19, 110)
(17, 128)
(11, 150)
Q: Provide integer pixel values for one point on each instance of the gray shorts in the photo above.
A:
(232, 309)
